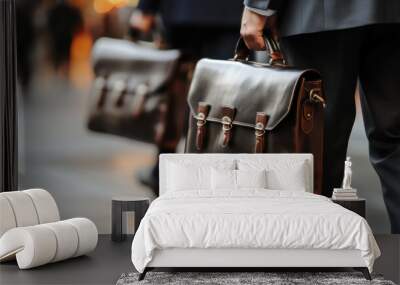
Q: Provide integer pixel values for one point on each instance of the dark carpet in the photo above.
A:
(243, 278)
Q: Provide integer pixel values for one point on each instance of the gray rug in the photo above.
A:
(243, 278)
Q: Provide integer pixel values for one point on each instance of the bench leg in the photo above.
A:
(364, 271)
(143, 274)
(116, 221)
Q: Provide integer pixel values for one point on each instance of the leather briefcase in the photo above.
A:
(130, 96)
(239, 106)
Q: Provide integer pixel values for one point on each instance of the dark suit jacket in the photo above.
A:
(309, 16)
(217, 13)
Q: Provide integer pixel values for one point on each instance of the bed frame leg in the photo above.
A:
(364, 271)
(143, 274)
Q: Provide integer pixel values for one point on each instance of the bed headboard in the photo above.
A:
(306, 157)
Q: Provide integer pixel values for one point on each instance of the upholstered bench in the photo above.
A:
(31, 230)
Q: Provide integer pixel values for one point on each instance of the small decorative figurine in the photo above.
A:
(346, 192)
(347, 174)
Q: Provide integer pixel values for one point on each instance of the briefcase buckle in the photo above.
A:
(315, 97)
(201, 119)
(226, 123)
(260, 129)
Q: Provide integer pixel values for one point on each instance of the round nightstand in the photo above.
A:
(123, 204)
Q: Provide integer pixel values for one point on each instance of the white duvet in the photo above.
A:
(250, 219)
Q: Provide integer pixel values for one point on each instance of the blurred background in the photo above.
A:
(82, 169)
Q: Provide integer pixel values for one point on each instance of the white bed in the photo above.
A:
(250, 227)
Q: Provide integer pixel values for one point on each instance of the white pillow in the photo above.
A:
(193, 174)
(251, 178)
(288, 174)
(237, 179)
(223, 179)
(291, 180)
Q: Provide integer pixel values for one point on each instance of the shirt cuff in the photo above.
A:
(267, 13)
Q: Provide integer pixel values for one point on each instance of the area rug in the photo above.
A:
(244, 278)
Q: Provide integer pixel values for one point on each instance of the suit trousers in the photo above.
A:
(370, 57)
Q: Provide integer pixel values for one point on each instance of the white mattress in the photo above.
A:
(253, 218)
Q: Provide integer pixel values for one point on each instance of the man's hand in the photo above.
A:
(252, 29)
(142, 22)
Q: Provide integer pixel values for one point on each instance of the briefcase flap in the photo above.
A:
(247, 87)
(133, 63)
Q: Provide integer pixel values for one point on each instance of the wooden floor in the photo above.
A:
(110, 260)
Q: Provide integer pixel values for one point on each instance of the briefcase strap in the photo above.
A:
(101, 90)
(261, 123)
(160, 127)
(202, 113)
(140, 98)
(228, 114)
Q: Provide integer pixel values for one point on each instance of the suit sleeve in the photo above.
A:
(257, 4)
(149, 6)
(264, 7)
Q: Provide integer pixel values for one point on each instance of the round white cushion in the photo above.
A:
(33, 246)
(87, 233)
(7, 219)
(45, 205)
(67, 240)
(23, 208)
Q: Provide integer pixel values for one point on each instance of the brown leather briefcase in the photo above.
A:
(134, 94)
(239, 106)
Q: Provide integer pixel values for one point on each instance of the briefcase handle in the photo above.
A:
(154, 37)
(242, 52)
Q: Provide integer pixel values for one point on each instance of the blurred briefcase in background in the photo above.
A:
(130, 96)
(239, 106)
